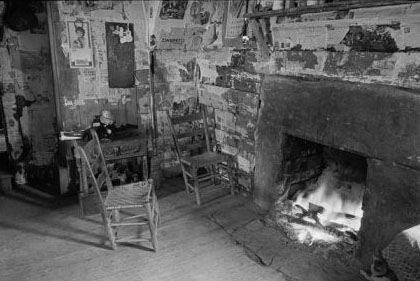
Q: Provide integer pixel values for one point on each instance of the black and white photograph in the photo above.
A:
(210, 140)
(81, 54)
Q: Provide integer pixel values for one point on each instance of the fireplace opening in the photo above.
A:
(320, 194)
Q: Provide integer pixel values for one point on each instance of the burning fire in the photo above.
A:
(326, 211)
(339, 202)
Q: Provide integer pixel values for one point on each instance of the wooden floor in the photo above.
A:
(42, 239)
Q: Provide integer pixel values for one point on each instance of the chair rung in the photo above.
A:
(136, 216)
(213, 189)
(190, 186)
(206, 177)
(205, 184)
(211, 176)
(188, 174)
(121, 207)
(128, 223)
(124, 239)
(192, 133)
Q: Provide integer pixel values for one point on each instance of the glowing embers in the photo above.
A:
(322, 193)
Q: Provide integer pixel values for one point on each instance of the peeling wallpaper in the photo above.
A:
(369, 45)
(84, 92)
(192, 63)
(28, 100)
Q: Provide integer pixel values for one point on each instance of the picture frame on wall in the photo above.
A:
(80, 44)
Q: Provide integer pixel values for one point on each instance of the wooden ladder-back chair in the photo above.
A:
(201, 167)
(119, 203)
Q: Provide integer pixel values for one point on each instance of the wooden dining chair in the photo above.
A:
(133, 204)
(203, 169)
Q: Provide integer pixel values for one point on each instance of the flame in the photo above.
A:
(341, 200)
(308, 235)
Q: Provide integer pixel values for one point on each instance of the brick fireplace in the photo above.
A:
(376, 123)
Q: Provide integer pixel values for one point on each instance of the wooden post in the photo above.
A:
(152, 102)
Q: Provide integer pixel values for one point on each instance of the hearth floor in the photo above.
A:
(43, 238)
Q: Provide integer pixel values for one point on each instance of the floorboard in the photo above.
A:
(45, 240)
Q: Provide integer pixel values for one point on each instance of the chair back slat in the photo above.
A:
(193, 133)
(94, 163)
(194, 146)
(186, 118)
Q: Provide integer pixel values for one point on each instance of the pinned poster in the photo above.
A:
(79, 36)
(120, 54)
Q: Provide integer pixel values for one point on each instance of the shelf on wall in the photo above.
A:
(327, 7)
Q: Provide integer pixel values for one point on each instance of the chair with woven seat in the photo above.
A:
(202, 168)
(118, 203)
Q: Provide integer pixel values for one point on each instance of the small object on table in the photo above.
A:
(71, 135)
(104, 125)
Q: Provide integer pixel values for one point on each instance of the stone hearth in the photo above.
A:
(377, 122)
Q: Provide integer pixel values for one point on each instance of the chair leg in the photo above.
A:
(156, 211)
(231, 177)
(213, 174)
(184, 175)
(145, 168)
(152, 226)
(196, 189)
(109, 231)
(115, 217)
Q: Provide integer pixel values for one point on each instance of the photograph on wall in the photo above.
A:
(173, 9)
(120, 54)
(81, 54)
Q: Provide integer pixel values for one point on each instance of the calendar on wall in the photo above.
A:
(235, 19)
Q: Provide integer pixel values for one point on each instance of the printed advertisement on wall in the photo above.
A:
(235, 19)
(81, 54)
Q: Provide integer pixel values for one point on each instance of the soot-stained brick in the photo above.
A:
(307, 58)
(377, 39)
(356, 63)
